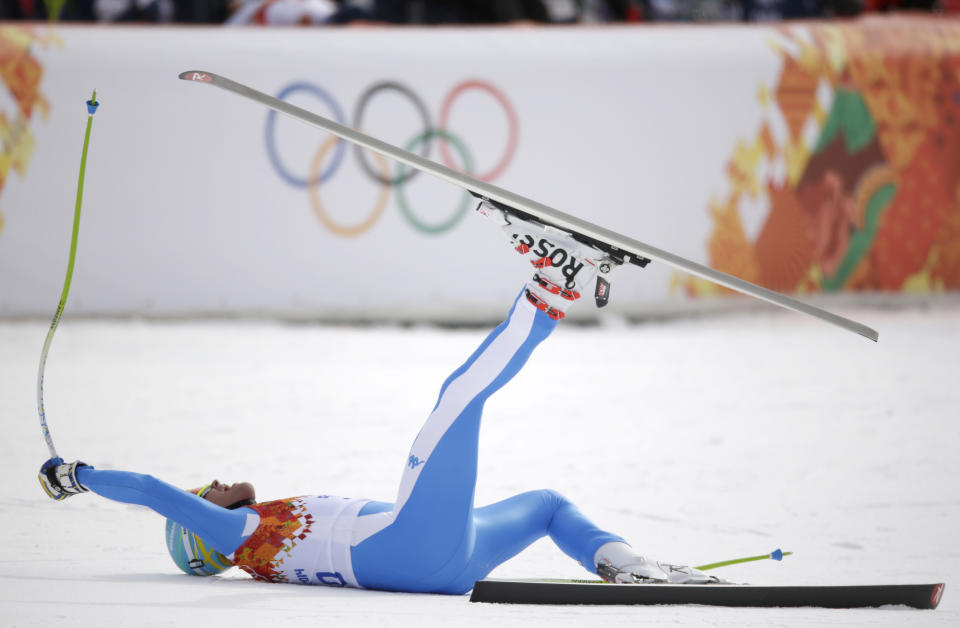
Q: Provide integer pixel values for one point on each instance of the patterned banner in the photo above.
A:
(21, 73)
(857, 162)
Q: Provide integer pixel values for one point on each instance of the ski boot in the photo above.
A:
(565, 267)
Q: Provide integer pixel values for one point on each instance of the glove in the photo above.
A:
(59, 480)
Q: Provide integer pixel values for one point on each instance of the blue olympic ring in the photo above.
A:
(272, 145)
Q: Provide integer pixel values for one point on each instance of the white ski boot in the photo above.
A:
(617, 562)
(565, 266)
(644, 572)
(683, 574)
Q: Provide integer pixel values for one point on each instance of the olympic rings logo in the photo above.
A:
(317, 175)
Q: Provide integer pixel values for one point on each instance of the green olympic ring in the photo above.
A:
(460, 211)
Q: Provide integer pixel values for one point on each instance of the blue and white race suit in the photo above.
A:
(431, 538)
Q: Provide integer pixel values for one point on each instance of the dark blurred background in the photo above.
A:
(431, 12)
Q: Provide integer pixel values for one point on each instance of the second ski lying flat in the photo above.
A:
(925, 596)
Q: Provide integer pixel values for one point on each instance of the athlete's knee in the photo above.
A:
(554, 498)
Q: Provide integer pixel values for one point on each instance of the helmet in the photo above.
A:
(190, 553)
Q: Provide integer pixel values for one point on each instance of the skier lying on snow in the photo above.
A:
(432, 539)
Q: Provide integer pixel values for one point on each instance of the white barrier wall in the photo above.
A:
(198, 202)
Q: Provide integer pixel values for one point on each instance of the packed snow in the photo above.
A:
(698, 439)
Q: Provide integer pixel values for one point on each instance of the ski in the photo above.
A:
(926, 596)
(627, 250)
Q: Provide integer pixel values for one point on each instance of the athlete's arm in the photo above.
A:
(220, 527)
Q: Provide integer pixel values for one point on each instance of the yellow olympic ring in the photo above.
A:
(314, 188)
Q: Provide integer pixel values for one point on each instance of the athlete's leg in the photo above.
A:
(505, 528)
(427, 538)
(221, 528)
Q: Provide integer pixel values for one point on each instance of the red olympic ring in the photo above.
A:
(511, 122)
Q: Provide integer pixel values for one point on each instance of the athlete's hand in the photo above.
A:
(59, 480)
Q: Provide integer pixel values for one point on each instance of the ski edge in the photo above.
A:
(558, 592)
(543, 212)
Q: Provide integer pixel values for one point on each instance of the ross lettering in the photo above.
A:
(302, 576)
(542, 250)
(570, 271)
(524, 243)
(558, 257)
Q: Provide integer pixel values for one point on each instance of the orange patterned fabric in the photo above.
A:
(283, 524)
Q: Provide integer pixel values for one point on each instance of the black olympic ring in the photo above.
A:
(358, 125)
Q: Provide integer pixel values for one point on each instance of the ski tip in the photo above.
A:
(196, 75)
(936, 595)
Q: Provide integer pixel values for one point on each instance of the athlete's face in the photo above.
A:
(229, 494)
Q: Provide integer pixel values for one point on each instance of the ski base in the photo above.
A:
(622, 248)
(926, 596)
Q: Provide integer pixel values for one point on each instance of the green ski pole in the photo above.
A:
(92, 105)
(774, 555)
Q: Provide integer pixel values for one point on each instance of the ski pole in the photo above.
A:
(92, 105)
(774, 555)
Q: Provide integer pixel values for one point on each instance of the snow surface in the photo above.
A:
(697, 439)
